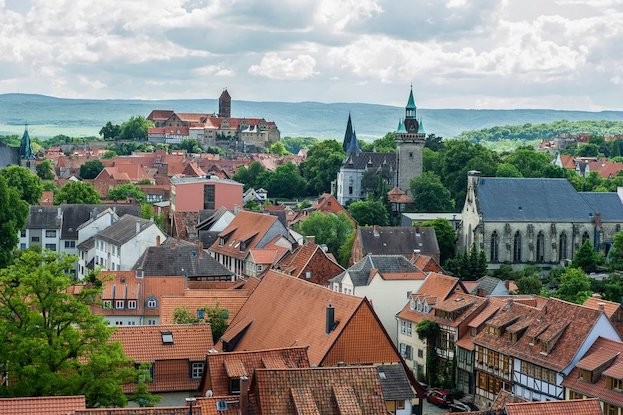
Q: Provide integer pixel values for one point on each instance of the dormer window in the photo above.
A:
(612, 383)
(234, 386)
(586, 375)
(221, 241)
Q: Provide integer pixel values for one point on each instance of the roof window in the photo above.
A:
(167, 337)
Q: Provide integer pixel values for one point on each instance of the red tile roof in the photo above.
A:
(220, 366)
(610, 307)
(160, 410)
(325, 391)
(44, 405)
(398, 196)
(248, 227)
(503, 398)
(575, 407)
(193, 300)
(427, 263)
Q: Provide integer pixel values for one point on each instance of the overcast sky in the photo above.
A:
(563, 54)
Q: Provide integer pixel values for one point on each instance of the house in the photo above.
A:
(248, 230)
(488, 286)
(397, 391)
(310, 262)
(130, 299)
(394, 240)
(186, 259)
(42, 405)
(613, 310)
(191, 194)
(175, 353)
(120, 245)
(224, 370)
(211, 223)
(530, 350)
(425, 263)
(578, 406)
(251, 195)
(444, 300)
(598, 374)
(385, 280)
(535, 220)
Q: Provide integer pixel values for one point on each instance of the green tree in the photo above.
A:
(255, 175)
(135, 128)
(575, 286)
(90, 169)
(468, 266)
(295, 144)
(13, 215)
(286, 181)
(446, 237)
(587, 258)
(369, 212)
(141, 395)
(28, 185)
(430, 195)
(529, 284)
(587, 150)
(615, 255)
(216, 316)
(147, 212)
(346, 250)
(429, 331)
(190, 145)
(528, 161)
(329, 229)
(76, 193)
(110, 131)
(386, 144)
(322, 165)
(52, 344)
(278, 148)
(507, 170)
(109, 154)
(45, 170)
(126, 191)
(433, 142)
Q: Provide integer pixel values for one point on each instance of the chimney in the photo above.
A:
(200, 250)
(330, 319)
(596, 295)
(310, 240)
(602, 307)
(597, 220)
(473, 178)
(244, 395)
(138, 227)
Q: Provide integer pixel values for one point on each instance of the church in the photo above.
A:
(24, 155)
(397, 169)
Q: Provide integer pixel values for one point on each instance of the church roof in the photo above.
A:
(225, 95)
(348, 134)
(420, 128)
(370, 160)
(25, 148)
(607, 204)
(353, 146)
(531, 199)
(401, 127)
(411, 102)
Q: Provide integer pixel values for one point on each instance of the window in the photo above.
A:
(70, 244)
(34, 239)
(406, 327)
(410, 154)
(208, 196)
(308, 274)
(151, 322)
(575, 395)
(50, 233)
(152, 302)
(420, 353)
(350, 190)
(562, 247)
(167, 337)
(118, 323)
(22, 233)
(234, 386)
(50, 247)
(612, 383)
(540, 247)
(610, 409)
(495, 246)
(221, 241)
(406, 351)
(585, 237)
(400, 404)
(107, 304)
(196, 370)
(201, 314)
(119, 303)
(517, 247)
(132, 304)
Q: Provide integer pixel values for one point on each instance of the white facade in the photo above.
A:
(113, 257)
(349, 185)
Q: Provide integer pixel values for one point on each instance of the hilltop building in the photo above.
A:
(223, 130)
(396, 170)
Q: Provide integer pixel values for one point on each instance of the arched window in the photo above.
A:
(495, 246)
(585, 237)
(562, 247)
(517, 247)
(540, 247)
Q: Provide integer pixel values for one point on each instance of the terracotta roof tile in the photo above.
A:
(208, 405)
(440, 286)
(503, 398)
(44, 405)
(192, 300)
(427, 263)
(235, 368)
(219, 366)
(610, 307)
(575, 407)
(161, 410)
(248, 227)
(334, 390)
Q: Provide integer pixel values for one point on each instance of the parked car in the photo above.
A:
(459, 407)
(439, 397)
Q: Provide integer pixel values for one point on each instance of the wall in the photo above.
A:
(344, 178)
(189, 196)
(134, 248)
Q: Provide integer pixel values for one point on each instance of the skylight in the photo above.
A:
(167, 337)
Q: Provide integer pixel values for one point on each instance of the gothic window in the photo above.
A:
(495, 245)
(540, 247)
(585, 237)
(517, 247)
(562, 246)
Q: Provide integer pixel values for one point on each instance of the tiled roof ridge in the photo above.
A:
(318, 368)
(259, 351)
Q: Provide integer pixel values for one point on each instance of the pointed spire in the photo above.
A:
(411, 102)
(25, 147)
(353, 147)
(348, 135)
(401, 127)
(420, 128)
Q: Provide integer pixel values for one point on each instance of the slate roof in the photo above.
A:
(530, 200)
(44, 217)
(177, 257)
(43, 405)
(124, 229)
(394, 382)
(216, 377)
(322, 391)
(76, 215)
(485, 286)
(370, 160)
(575, 407)
(606, 203)
(397, 240)
(362, 272)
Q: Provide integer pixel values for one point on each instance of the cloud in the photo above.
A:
(273, 66)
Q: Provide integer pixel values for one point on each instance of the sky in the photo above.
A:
(560, 54)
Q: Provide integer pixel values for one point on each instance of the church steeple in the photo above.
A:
(353, 147)
(348, 135)
(25, 147)
(420, 129)
(411, 124)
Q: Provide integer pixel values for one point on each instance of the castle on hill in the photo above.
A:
(223, 130)
(397, 169)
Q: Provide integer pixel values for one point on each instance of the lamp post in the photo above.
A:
(190, 402)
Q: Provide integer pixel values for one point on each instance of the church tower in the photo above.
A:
(26, 155)
(350, 143)
(224, 105)
(410, 139)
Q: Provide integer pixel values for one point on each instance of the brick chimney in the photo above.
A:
(244, 395)
(330, 319)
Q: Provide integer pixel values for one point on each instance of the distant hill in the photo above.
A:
(50, 116)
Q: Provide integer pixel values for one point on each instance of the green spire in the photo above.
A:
(411, 102)
(401, 127)
(420, 128)
(25, 148)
